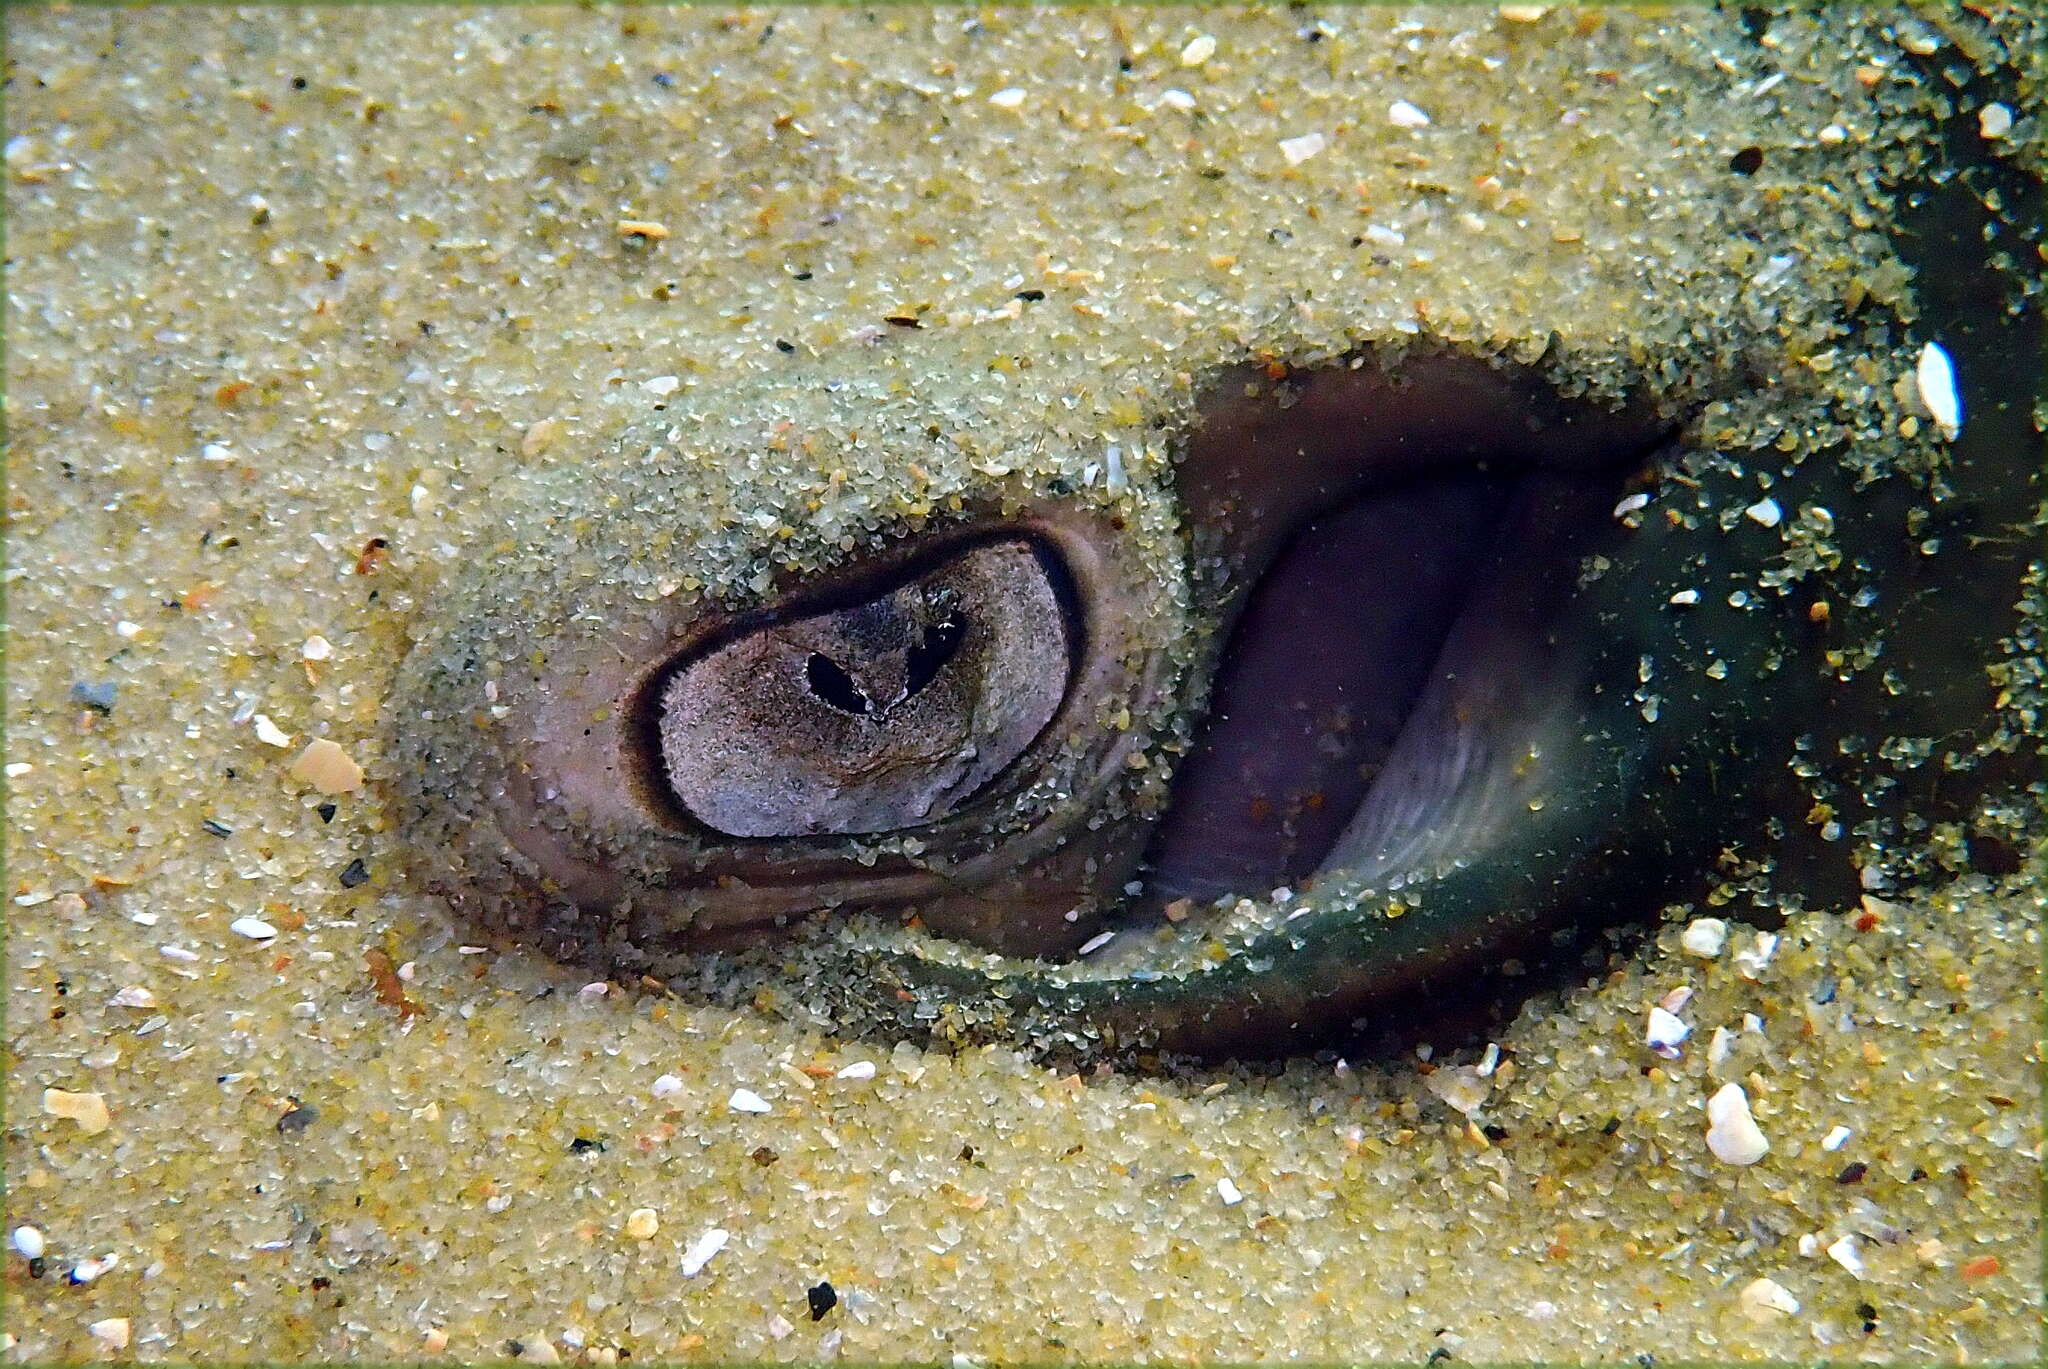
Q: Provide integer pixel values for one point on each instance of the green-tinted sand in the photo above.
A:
(285, 282)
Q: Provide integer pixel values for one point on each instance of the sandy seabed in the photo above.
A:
(295, 297)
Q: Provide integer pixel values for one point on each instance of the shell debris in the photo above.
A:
(89, 1110)
(112, 1332)
(1935, 377)
(1299, 149)
(1704, 937)
(328, 768)
(1766, 1299)
(1732, 1134)
(702, 1249)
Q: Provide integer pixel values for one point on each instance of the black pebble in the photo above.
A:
(298, 1119)
(823, 1298)
(356, 873)
(1747, 161)
(583, 1143)
(784, 347)
(1853, 1174)
(98, 697)
(217, 827)
(326, 812)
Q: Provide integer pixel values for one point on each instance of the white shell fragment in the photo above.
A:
(1299, 150)
(1765, 511)
(1664, 1033)
(1010, 97)
(859, 1069)
(255, 928)
(1732, 1133)
(1404, 115)
(269, 733)
(1844, 1253)
(111, 1332)
(667, 1086)
(91, 1269)
(28, 1242)
(1936, 378)
(1200, 49)
(746, 1100)
(1704, 937)
(1462, 1086)
(1836, 1139)
(1750, 963)
(1764, 1299)
(1631, 503)
(133, 996)
(1994, 121)
(1228, 1192)
(702, 1249)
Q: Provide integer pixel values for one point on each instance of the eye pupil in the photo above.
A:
(833, 685)
(929, 656)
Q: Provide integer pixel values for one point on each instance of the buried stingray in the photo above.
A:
(1342, 685)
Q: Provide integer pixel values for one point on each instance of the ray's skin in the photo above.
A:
(1610, 708)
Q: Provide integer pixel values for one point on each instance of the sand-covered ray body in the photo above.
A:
(1636, 647)
(315, 314)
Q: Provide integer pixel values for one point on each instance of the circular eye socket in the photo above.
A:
(884, 714)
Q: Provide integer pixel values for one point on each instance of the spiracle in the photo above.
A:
(1329, 688)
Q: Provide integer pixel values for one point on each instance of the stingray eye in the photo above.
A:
(885, 713)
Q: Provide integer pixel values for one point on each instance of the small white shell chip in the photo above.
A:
(1936, 378)
(1732, 1134)
(746, 1100)
(1299, 150)
(1764, 1299)
(702, 1249)
(1704, 937)
(1401, 114)
(1664, 1033)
